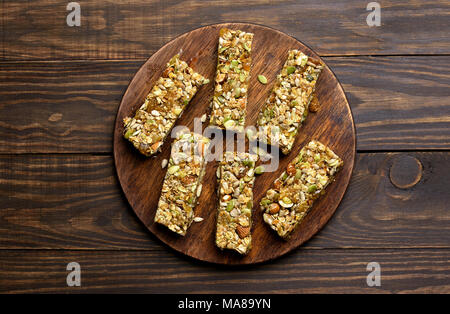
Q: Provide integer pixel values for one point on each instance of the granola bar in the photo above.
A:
(167, 100)
(293, 193)
(236, 175)
(232, 79)
(183, 182)
(287, 105)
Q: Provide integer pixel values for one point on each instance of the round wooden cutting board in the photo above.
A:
(141, 178)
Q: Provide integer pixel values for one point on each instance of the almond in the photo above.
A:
(242, 231)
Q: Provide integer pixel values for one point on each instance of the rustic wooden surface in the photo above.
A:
(60, 201)
(269, 52)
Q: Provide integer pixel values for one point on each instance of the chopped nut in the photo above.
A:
(173, 169)
(198, 219)
(235, 212)
(244, 221)
(164, 163)
(291, 170)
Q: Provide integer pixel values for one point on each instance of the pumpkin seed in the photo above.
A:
(128, 133)
(173, 169)
(259, 170)
(262, 79)
(312, 188)
(237, 92)
(286, 202)
(230, 205)
(234, 64)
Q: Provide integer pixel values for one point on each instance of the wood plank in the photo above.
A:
(74, 202)
(58, 202)
(398, 103)
(136, 29)
(306, 271)
(60, 107)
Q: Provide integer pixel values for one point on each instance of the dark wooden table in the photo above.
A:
(60, 200)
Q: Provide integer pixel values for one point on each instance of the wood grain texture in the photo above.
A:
(399, 103)
(70, 107)
(75, 202)
(310, 271)
(135, 29)
(141, 178)
(60, 107)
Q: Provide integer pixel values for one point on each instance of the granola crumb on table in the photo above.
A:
(183, 182)
(314, 105)
(287, 202)
(232, 79)
(167, 100)
(236, 176)
(287, 105)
